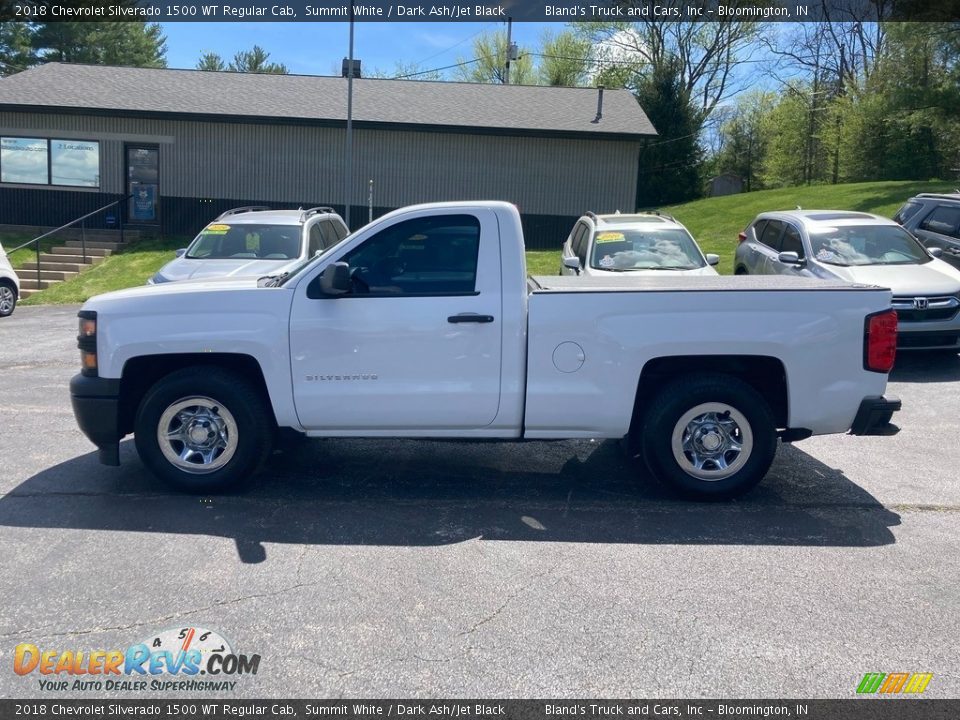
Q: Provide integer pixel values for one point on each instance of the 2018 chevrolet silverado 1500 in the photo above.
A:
(424, 324)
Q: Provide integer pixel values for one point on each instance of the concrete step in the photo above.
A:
(96, 251)
(31, 273)
(60, 258)
(31, 283)
(102, 244)
(58, 266)
(26, 292)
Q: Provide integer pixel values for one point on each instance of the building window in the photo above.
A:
(24, 160)
(75, 162)
(38, 161)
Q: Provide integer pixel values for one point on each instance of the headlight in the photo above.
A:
(87, 342)
(157, 279)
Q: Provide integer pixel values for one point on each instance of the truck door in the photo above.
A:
(416, 344)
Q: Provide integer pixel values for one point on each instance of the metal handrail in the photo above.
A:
(83, 234)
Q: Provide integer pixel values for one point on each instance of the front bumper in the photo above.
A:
(96, 405)
(872, 412)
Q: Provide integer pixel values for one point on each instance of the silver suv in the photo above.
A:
(639, 244)
(861, 248)
(255, 241)
(935, 219)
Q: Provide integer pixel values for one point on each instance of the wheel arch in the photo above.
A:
(141, 373)
(767, 375)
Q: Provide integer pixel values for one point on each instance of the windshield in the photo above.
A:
(221, 241)
(646, 249)
(866, 245)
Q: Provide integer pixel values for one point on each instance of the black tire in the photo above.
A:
(237, 409)
(741, 271)
(8, 298)
(884, 419)
(681, 397)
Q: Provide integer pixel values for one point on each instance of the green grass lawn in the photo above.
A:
(714, 222)
(26, 256)
(127, 269)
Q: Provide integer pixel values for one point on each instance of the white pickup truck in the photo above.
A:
(424, 324)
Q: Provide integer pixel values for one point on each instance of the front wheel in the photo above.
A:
(203, 429)
(710, 437)
(8, 299)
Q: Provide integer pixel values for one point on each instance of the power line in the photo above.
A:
(457, 44)
(433, 70)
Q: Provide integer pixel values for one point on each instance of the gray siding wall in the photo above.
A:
(288, 163)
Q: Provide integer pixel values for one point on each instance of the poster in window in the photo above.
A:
(143, 204)
(23, 160)
(75, 162)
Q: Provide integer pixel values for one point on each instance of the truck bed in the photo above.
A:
(738, 283)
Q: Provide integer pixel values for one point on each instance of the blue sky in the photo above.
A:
(318, 48)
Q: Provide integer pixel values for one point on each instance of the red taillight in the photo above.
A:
(880, 341)
(741, 237)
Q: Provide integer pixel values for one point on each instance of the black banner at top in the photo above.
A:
(479, 10)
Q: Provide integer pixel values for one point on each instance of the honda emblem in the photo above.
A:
(920, 303)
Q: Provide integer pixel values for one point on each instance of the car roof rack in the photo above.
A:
(947, 195)
(304, 214)
(245, 209)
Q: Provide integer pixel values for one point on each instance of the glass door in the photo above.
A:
(143, 183)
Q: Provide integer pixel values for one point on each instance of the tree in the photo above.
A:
(743, 138)
(212, 62)
(133, 44)
(565, 59)
(406, 71)
(256, 61)
(670, 165)
(16, 50)
(490, 61)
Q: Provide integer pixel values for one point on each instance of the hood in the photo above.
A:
(933, 278)
(166, 290)
(191, 269)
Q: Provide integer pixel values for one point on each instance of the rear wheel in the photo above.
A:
(203, 429)
(8, 299)
(710, 437)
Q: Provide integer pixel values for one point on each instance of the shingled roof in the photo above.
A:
(195, 94)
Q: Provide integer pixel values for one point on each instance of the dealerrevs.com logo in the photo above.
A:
(180, 659)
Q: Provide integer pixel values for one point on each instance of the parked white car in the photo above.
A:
(9, 285)
(424, 324)
(640, 244)
(253, 242)
(861, 248)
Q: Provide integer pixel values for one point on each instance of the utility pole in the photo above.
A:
(349, 149)
(506, 72)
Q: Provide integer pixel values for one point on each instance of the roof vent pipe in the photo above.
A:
(599, 104)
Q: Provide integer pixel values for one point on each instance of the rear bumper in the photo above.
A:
(96, 406)
(871, 413)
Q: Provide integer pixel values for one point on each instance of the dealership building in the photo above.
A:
(186, 145)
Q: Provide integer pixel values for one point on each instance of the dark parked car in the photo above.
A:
(935, 219)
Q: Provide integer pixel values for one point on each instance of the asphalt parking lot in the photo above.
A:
(443, 569)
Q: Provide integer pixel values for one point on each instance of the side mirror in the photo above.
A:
(790, 258)
(335, 279)
(181, 252)
(713, 259)
(572, 262)
(936, 252)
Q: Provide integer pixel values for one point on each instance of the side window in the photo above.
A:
(580, 244)
(316, 240)
(758, 227)
(434, 255)
(791, 241)
(340, 230)
(906, 212)
(771, 235)
(943, 220)
(329, 236)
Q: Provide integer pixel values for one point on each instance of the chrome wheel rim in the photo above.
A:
(197, 435)
(6, 300)
(712, 441)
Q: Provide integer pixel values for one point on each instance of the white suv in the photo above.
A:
(640, 244)
(9, 285)
(255, 241)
